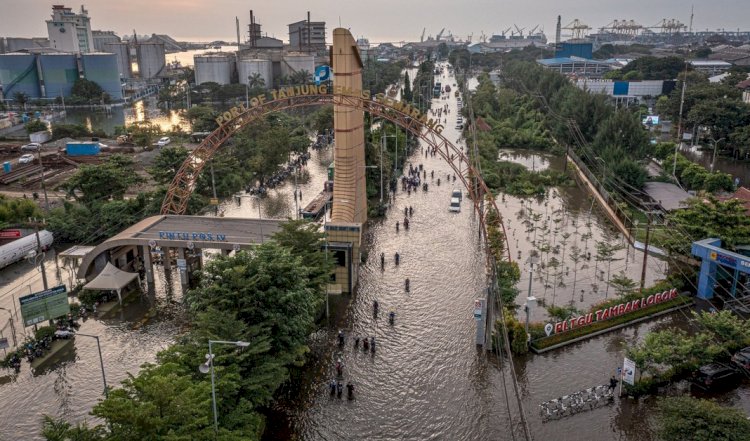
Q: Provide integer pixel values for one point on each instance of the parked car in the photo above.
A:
(741, 358)
(715, 375)
(26, 159)
(163, 141)
(31, 147)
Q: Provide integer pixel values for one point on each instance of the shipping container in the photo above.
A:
(82, 148)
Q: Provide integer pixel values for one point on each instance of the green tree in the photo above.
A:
(21, 99)
(622, 284)
(691, 419)
(256, 81)
(655, 68)
(407, 94)
(91, 184)
(88, 91)
(35, 126)
(709, 217)
(144, 133)
(202, 118)
(54, 429)
(17, 211)
(301, 77)
(167, 162)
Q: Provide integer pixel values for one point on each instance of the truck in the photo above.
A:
(20, 248)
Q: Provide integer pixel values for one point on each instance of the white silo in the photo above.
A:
(213, 68)
(292, 63)
(151, 59)
(247, 68)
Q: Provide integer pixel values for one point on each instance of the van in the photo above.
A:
(457, 194)
(455, 205)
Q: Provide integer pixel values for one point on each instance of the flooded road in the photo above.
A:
(71, 383)
(735, 167)
(427, 380)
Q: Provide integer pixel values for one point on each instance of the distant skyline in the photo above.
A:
(392, 20)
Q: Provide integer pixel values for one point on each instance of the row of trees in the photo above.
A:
(268, 297)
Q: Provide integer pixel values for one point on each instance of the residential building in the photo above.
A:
(69, 31)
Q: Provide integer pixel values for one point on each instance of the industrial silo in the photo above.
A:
(247, 68)
(214, 68)
(18, 73)
(102, 69)
(151, 59)
(293, 63)
(59, 72)
(123, 57)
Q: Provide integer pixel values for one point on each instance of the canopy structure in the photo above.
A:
(112, 279)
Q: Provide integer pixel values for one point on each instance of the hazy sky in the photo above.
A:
(379, 20)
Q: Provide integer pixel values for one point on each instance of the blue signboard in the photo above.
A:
(322, 73)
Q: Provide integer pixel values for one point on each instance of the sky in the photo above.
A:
(378, 20)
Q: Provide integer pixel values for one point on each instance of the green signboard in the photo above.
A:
(45, 305)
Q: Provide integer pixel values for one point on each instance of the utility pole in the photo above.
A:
(39, 253)
(382, 143)
(679, 122)
(44, 186)
(645, 251)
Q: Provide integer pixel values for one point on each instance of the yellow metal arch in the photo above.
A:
(179, 191)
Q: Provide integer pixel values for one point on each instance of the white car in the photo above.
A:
(455, 206)
(26, 159)
(163, 141)
(31, 147)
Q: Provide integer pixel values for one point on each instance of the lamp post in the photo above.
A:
(713, 159)
(530, 300)
(12, 326)
(208, 366)
(101, 360)
(382, 146)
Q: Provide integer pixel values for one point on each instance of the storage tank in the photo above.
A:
(122, 54)
(59, 72)
(151, 59)
(246, 68)
(296, 63)
(102, 69)
(216, 68)
(18, 74)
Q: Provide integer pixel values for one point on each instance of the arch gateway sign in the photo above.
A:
(311, 89)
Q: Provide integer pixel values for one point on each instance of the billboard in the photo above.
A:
(651, 120)
(44, 305)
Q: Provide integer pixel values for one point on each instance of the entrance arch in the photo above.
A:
(184, 182)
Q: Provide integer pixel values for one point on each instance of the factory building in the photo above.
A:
(308, 36)
(69, 31)
(627, 92)
(16, 44)
(104, 37)
(122, 54)
(151, 59)
(577, 66)
(50, 75)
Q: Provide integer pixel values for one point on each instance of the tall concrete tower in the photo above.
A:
(349, 189)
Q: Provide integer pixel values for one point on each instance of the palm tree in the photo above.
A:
(21, 98)
(301, 77)
(256, 80)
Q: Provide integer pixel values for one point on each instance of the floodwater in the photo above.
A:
(427, 380)
(142, 110)
(71, 383)
(737, 168)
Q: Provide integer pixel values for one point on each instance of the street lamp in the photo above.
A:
(101, 360)
(713, 159)
(530, 300)
(208, 366)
